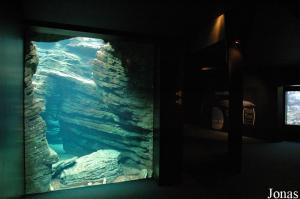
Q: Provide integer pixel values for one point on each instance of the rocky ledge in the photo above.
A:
(102, 164)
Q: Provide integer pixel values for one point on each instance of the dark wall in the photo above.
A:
(167, 23)
(271, 51)
(274, 38)
(263, 87)
(263, 93)
(11, 102)
(171, 125)
(269, 37)
(205, 70)
(138, 17)
(201, 85)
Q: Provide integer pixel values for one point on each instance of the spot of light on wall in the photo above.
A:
(235, 56)
(217, 29)
(207, 68)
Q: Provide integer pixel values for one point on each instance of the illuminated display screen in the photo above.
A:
(292, 107)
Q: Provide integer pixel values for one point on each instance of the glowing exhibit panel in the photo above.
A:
(292, 107)
(88, 112)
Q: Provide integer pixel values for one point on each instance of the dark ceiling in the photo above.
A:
(271, 30)
(274, 38)
(147, 17)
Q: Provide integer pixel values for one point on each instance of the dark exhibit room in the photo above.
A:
(126, 99)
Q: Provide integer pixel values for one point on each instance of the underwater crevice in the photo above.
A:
(94, 104)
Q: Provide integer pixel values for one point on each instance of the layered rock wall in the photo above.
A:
(96, 105)
(38, 156)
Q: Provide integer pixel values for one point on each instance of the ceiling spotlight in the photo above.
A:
(237, 41)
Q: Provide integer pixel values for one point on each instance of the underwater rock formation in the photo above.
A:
(58, 167)
(38, 156)
(102, 164)
(88, 108)
(128, 97)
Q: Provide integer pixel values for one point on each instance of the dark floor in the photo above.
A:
(265, 165)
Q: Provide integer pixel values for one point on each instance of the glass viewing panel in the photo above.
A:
(292, 107)
(88, 112)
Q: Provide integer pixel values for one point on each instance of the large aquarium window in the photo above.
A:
(88, 112)
(292, 107)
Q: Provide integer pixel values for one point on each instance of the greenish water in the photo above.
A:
(97, 106)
